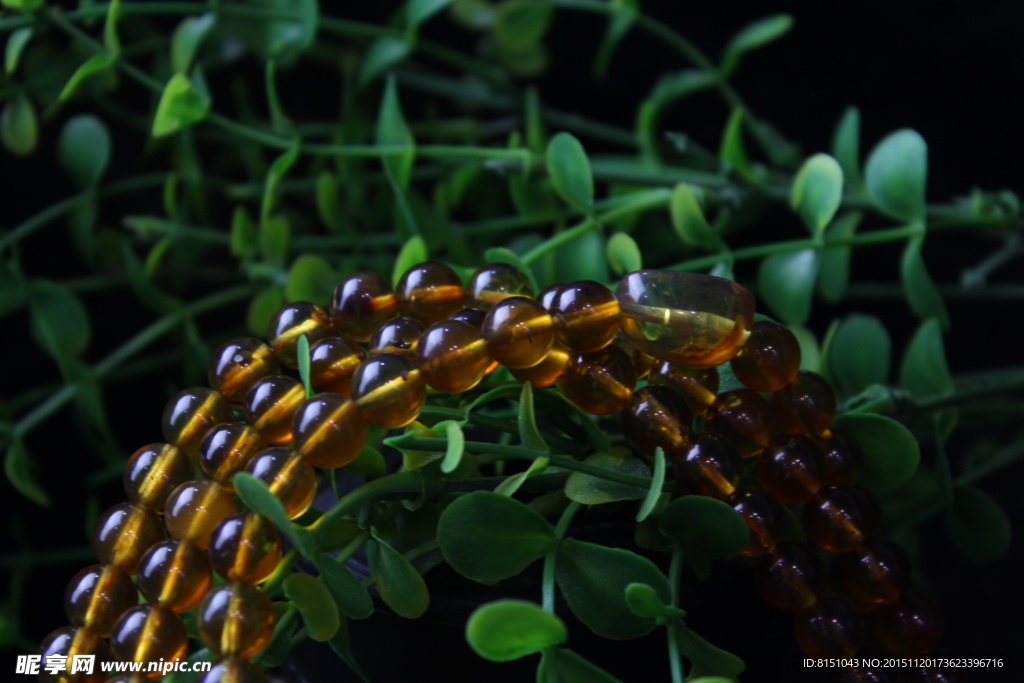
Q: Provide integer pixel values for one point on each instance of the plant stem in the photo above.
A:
(284, 623)
(281, 571)
(400, 482)
(353, 547)
(498, 424)
(548, 585)
(675, 573)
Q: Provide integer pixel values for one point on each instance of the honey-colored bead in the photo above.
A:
(494, 282)
(519, 332)
(245, 547)
(452, 356)
(586, 315)
(792, 468)
(153, 472)
(226, 449)
(806, 405)
(97, 596)
(331, 364)
(549, 370)
(909, 627)
(429, 292)
(147, 633)
(790, 578)
(288, 476)
(294, 320)
(833, 627)
(691, 319)
(764, 516)
(235, 619)
(233, 670)
(175, 574)
(600, 382)
(548, 295)
(195, 508)
(743, 417)
(361, 304)
(388, 390)
(123, 533)
(192, 413)
(656, 416)
(876, 574)
(708, 466)
(270, 407)
(398, 336)
(770, 359)
(841, 518)
(644, 364)
(70, 641)
(697, 386)
(328, 430)
(844, 459)
(471, 316)
(238, 364)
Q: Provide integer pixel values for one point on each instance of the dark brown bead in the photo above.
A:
(175, 574)
(429, 292)
(586, 315)
(452, 356)
(844, 459)
(600, 382)
(288, 476)
(876, 574)
(644, 364)
(743, 417)
(833, 627)
(765, 517)
(496, 281)
(909, 627)
(72, 642)
(233, 670)
(328, 430)
(195, 508)
(192, 413)
(548, 295)
(245, 547)
(238, 364)
(388, 390)
(123, 533)
(697, 386)
(235, 619)
(97, 596)
(398, 336)
(519, 332)
(470, 316)
(294, 320)
(709, 466)
(331, 364)
(270, 407)
(549, 370)
(841, 518)
(147, 633)
(656, 416)
(770, 359)
(226, 449)
(153, 472)
(791, 467)
(790, 578)
(807, 405)
(361, 304)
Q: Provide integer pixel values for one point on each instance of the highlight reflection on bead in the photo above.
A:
(398, 336)
(600, 382)
(153, 472)
(452, 356)
(328, 430)
(519, 332)
(549, 370)
(841, 518)
(97, 596)
(294, 320)
(175, 574)
(429, 292)
(743, 417)
(790, 578)
(833, 627)
(656, 416)
(493, 282)
(245, 547)
(123, 533)
(909, 627)
(697, 386)
(876, 574)
(471, 316)
(195, 508)
(770, 359)
(791, 467)
(69, 641)
(388, 390)
(331, 364)
(192, 413)
(586, 315)
(226, 449)
(764, 516)
(361, 304)
(235, 619)
(270, 407)
(844, 459)
(233, 670)
(708, 466)
(238, 364)
(147, 633)
(288, 476)
(806, 405)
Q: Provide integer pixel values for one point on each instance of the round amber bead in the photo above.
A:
(841, 518)
(765, 517)
(806, 405)
(329, 431)
(790, 578)
(770, 359)
(708, 466)
(549, 370)
(644, 363)
(548, 295)
(195, 508)
(398, 336)
(235, 619)
(97, 596)
(238, 364)
(877, 573)
(743, 417)
(600, 382)
(697, 386)
(586, 315)
(192, 413)
(233, 670)
(388, 390)
(833, 627)
(294, 320)
(429, 292)
(226, 449)
(656, 416)
(844, 459)
(361, 304)
(690, 319)
(910, 627)
(452, 356)
(245, 547)
(791, 466)
(270, 407)
(146, 633)
(175, 574)
(123, 533)
(519, 332)
(470, 316)
(70, 641)
(288, 476)
(153, 472)
(331, 364)
(494, 282)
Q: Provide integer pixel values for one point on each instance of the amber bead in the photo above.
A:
(708, 466)
(175, 574)
(806, 405)
(841, 518)
(765, 517)
(294, 320)
(153, 472)
(600, 382)
(844, 459)
(238, 364)
(494, 282)
(398, 336)
(644, 363)
(697, 386)
(270, 407)
(331, 364)
(519, 332)
(743, 417)
(790, 578)
(770, 359)
(389, 391)
(195, 508)
(470, 316)
(586, 315)
(146, 633)
(792, 467)
(328, 430)
(691, 319)
(70, 641)
(429, 292)
(226, 449)
(910, 627)
(245, 547)
(97, 596)
(833, 627)
(233, 670)
(192, 413)
(361, 304)
(877, 573)
(656, 416)
(549, 370)
(235, 619)
(288, 476)
(452, 356)
(548, 295)
(123, 533)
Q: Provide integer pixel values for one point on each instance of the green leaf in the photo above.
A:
(582, 258)
(456, 446)
(392, 131)
(732, 151)
(708, 660)
(657, 482)
(19, 128)
(593, 580)
(859, 354)
(274, 235)
(810, 352)
(504, 255)
(302, 355)
(384, 53)
(924, 371)
(623, 254)
(846, 146)
(487, 537)
(93, 66)
(262, 308)
(591, 490)
(18, 468)
(339, 534)
(834, 272)
(673, 86)
(572, 668)
(286, 39)
(620, 21)
(978, 525)
(352, 599)
(311, 278)
(60, 324)
(817, 191)
(891, 453)
(83, 149)
(413, 252)
(706, 525)
(275, 174)
(315, 604)
(110, 38)
(419, 11)
(510, 629)
(16, 44)
(895, 175)
(922, 294)
(369, 463)
(597, 437)
(23, 5)
(244, 236)
(689, 222)
(570, 172)
(258, 498)
(644, 601)
(521, 24)
(187, 38)
(529, 435)
(327, 202)
(181, 105)
(343, 648)
(786, 282)
(400, 585)
(753, 36)
(512, 484)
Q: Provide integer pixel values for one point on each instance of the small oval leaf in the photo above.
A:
(707, 525)
(922, 294)
(315, 604)
(817, 191)
(859, 354)
(891, 453)
(414, 251)
(753, 36)
(978, 525)
(509, 629)
(570, 172)
(400, 585)
(786, 282)
(591, 490)
(19, 127)
(896, 173)
(688, 219)
(352, 599)
(623, 254)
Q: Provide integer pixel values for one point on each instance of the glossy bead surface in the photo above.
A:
(548, 295)
(549, 370)
(270, 406)
(496, 281)
(910, 627)
(429, 292)
(195, 508)
(153, 472)
(790, 578)
(470, 316)
(398, 336)
(288, 476)
(791, 467)
(644, 363)
(844, 459)
(770, 359)
(388, 390)
(452, 356)
(123, 533)
(238, 364)
(294, 320)
(519, 332)
(806, 405)
(97, 596)
(361, 304)
(764, 516)
(233, 670)
(586, 315)
(175, 574)
(600, 382)
(656, 416)
(331, 364)
(147, 633)
(328, 430)
(226, 449)
(841, 518)
(245, 547)
(235, 619)
(70, 641)
(690, 319)
(192, 413)
(708, 466)
(833, 627)
(697, 386)
(876, 574)
(743, 417)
